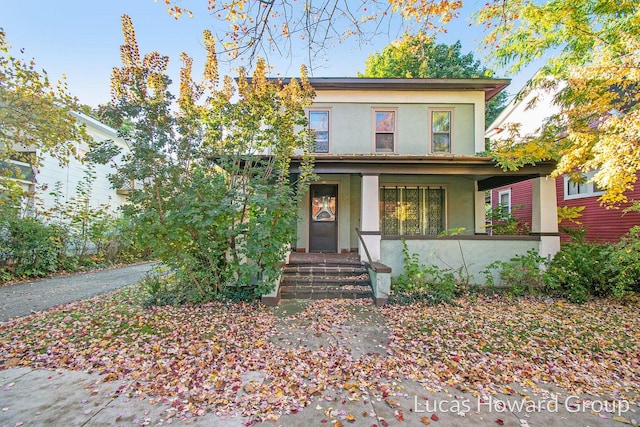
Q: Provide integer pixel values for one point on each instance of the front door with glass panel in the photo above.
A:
(323, 223)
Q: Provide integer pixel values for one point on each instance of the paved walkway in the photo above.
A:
(23, 299)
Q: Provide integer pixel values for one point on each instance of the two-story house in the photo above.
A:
(400, 159)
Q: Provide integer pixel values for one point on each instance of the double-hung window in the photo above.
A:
(319, 126)
(586, 188)
(504, 200)
(441, 131)
(385, 131)
(412, 210)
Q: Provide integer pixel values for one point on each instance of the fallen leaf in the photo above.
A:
(391, 402)
(620, 419)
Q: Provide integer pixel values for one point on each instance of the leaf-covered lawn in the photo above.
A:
(244, 359)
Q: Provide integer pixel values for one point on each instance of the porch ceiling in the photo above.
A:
(481, 169)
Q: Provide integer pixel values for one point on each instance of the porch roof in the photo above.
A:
(484, 170)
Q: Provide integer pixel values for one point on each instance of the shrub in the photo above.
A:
(521, 275)
(504, 222)
(580, 270)
(28, 247)
(624, 264)
(422, 283)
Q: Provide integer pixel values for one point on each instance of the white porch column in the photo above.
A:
(370, 217)
(544, 221)
(480, 212)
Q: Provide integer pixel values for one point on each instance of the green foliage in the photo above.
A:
(213, 200)
(520, 275)
(505, 223)
(28, 247)
(421, 283)
(68, 236)
(157, 285)
(624, 263)
(579, 270)
(418, 56)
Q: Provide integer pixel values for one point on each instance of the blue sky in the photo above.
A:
(81, 39)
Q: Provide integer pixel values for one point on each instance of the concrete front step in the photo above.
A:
(332, 270)
(325, 281)
(325, 276)
(325, 292)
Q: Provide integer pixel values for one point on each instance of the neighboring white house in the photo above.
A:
(69, 176)
(51, 176)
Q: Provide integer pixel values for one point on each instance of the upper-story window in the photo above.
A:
(319, 125)
(385, 131)
(586, 188)
(441, 131)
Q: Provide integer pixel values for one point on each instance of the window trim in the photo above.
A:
(502, 193)
(451, 111)
(328, 110)
(591, 191)
(374, 111)
(423, 213)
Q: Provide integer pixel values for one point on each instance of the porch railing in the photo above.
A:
(364, 245)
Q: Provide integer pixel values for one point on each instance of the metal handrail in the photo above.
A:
(364, 245)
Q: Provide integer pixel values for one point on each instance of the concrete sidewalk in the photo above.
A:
(22, 299)
(68, 398)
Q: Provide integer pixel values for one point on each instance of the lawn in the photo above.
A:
(253, 360)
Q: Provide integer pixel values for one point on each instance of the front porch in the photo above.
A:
(417, 199)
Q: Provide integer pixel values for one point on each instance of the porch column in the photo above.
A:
(480, 212)
(544, 220)
(370, 217)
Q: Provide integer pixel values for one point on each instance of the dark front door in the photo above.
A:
(323, 224)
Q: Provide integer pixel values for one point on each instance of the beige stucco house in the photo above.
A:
(401, 159)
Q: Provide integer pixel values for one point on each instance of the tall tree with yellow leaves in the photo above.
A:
(35, 120)
(213, 198)
(593, 68)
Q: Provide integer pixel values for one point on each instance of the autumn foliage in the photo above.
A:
(593, 51)
(213, 198)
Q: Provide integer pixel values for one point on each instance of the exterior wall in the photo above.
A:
(71, 174)
(351, 120)
(521, 200)
(447, 253)
(356, 196)
(602, 224)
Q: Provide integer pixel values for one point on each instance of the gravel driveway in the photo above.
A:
(24, 298)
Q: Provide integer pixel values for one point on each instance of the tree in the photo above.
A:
(34, 118)
(418, 56)
(593, 68)
(263, 28)
(213, 198)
